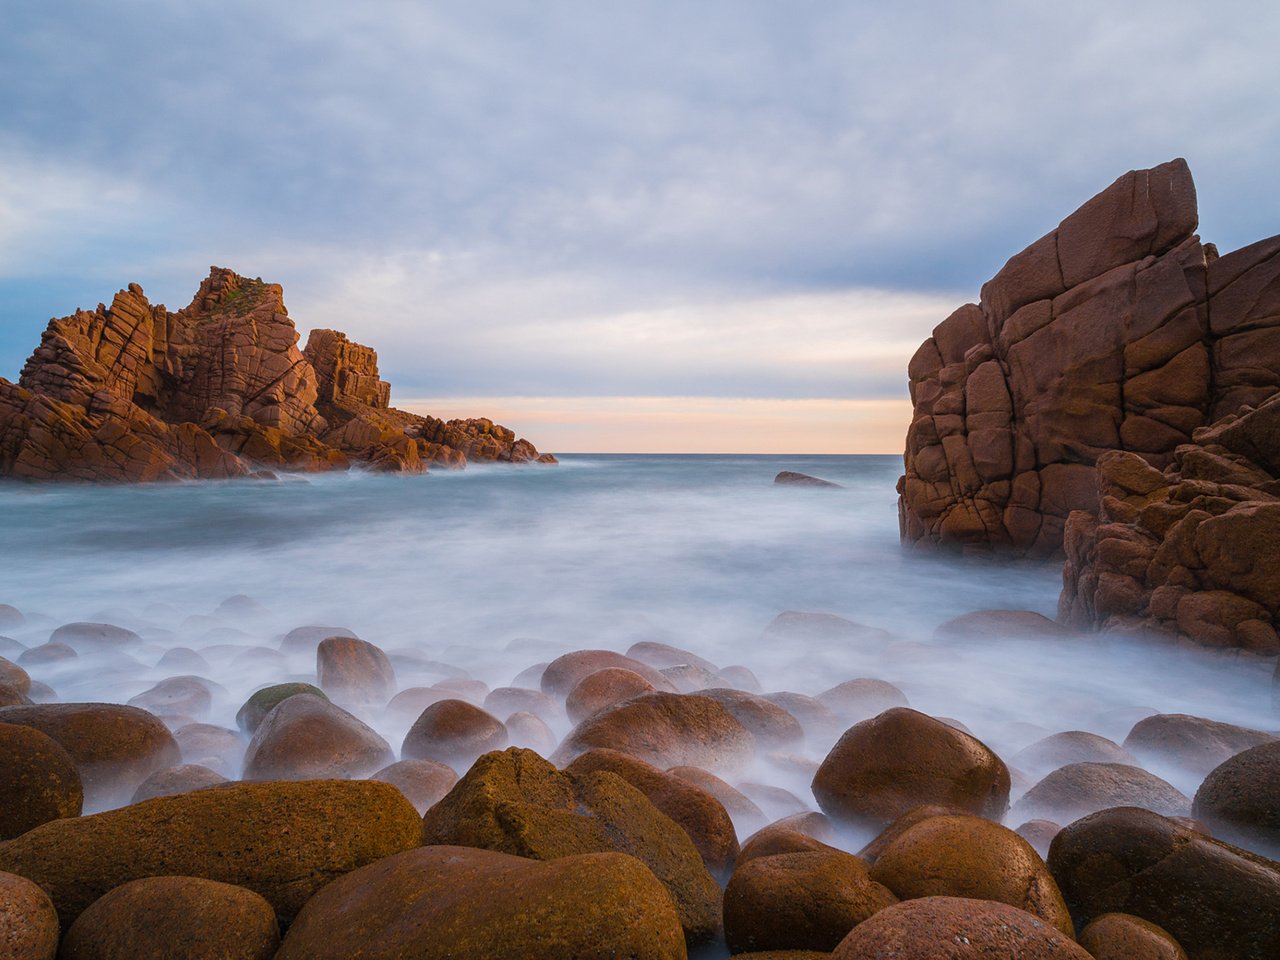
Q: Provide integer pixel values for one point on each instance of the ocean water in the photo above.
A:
(494, 569)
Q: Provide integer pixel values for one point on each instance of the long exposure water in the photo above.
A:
(493, 569)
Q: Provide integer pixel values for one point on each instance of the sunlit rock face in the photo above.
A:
(219, 389)
(1118, 330)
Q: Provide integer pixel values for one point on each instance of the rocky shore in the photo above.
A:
(376, 803)
(217, 390)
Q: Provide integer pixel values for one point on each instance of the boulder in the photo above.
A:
(769, 723)
(453, 732)
(566, 672)
(177, 696)
(964, 856)
(183, 778)
(113, 747)
(660, 656)
(305, 737)
(746, 815)
(791, 478)
(1001, 624)
(1079, 789)
(901, 824)
(11, 617)
(666, 730)
(504, 701)
(282, 840)
(354, 671)
(1240, 800)
(1216, 900)
(803, 625)
(515, 802)
(12, 675)
(424, 782)
(799, 901)
(1071, 746)
(307, 639)
(94, 637)
(819, 721)
(158, 918)
(47, 653)
(1040, 834)
(211, 745)
(885, 766)
(1194, 745)
(603, 689)
(530, 730)
(695, 810)
(859, 699)
(447, 902)
(28, 923)
(953, 928)
(1119, 936)
(40, 782)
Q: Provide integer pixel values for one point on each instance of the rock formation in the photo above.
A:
(1118, 330)
(133, 392)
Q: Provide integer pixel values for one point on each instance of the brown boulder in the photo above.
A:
(973, 858)
(47, 653)
(1193, 744)
(94, 637)
(448, 902)
(799, 901)
(211, 745)
(504, 701)
(1071, 746)
(794, 479)
(769, 723)
(424, 782)
(1217, 901)
(1119, 936)
(953, 928)
(177, 697)
(40, 781)
(158, 918)
(801, 625)
(1079, 789)
(12, 675)
(305, 738)
(602, 689)
(354, 671)
(666, 730)
(282, 840)
(113, 747)
(183, 778)
(746, 815)
(1001, 624)
(885, 766)
(871, 852)
(1240, 800)
(566, 672)
(696, 811)
(1040, 834)
(408, 704)
(819, 721)
(660, 656)
(10, 617)
(453, 732)
(859, 699)
(515, 802)
(779, 838)
(28, 923)
(530, 730)
(307, 639)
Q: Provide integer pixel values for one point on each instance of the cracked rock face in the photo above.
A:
(219, 389)
(1118, 330)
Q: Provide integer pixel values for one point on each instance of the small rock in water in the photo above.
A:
(353, 671)
(531, 731)
(792, 478)
(261, 702)
(180, 779)
(1078, 789)
(424, 782)
(10, 617)
(453, 732)
(602, 689)
(307, 738)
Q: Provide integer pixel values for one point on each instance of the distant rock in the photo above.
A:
(219, 389)
(791, 478)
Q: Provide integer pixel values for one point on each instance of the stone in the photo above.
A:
(307, 738)
(901, 824)
(769, 723)
(504, 701)
(882, 767)
(660, 656)
(808, 900)
(746, 815)
(177, 696)
(11, 617)
(602, 689)
(211, 745)
(1240, 800)
(424, 782)
(183, 778)
(306, 639)
(956, 928)
(792, 479)
(12, 675)
(859, 699)
(261, 702)
(517, 803)
(1217, 901)
(1119, 936)
(566, 672)
(449, 902)
(47, 653)
(802, 625)
(1040, 834)
(1193, 744)
(1001, 624)
(963, 856)
(666, 730)
(353, 671)
(281, 840)
(28, 922)
(156, 918)
(696, 811)
(1071, 746)
(94, 637)
(40, 782)
(530, 730)
(1079, 789)
(113, 747)
(453, 732)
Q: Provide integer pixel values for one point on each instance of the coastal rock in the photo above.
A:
(282, 840)
(1216, 900)
(504, 701)
(746, 815)
(1079, 789)
(424, 782)
(305, 738)
(769, 723)
(1195, 745)
(219, 389)
(158, 918)
(1240, 800)
(177, 697)
(602, 689)
(453, 732)
(793, 479)
(40, 781)
(354, 671)
(183, 778)
(859, 699)
(566, 672)
(443, 902)
(1070, 746)
(1117, 331)
(28, 922)
(882, 767)
(515, 802)
(1120, 936)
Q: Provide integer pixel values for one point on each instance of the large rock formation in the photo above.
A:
(133, 392)
(1118, 330)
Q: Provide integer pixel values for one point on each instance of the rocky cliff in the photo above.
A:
(219, 389)
(1117, 331)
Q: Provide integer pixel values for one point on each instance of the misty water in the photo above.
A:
(494, 569)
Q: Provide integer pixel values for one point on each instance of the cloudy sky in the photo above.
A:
(650, 226)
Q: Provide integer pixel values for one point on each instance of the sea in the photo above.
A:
(493, 569)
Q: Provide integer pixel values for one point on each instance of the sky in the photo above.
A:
(720, 226)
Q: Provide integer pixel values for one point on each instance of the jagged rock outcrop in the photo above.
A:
(219, 389)
(1118, 330)
(1192, 550)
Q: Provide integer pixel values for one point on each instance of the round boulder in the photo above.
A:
(1193, 744)
(1071, 746)
(882, 767)
(180, 779)
(444, 902)
(306, 639)
(14, 676)
(28, 922)
(1079, 789)
(1240, 800)
(177, 697)
(424, 782)
(261, 702)
(769, 723)
(40, 781)
(1120, 936)
(799, 901)
(505, 701)
(602, 689)
(47, 653)
(746, 816)
(566, 672)
(453, 732)
(954, 928)
(157, 918)
(94, 637)
(864, 697)
(354, 671)
(305, 738)
(660, 656)
(530, 730)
